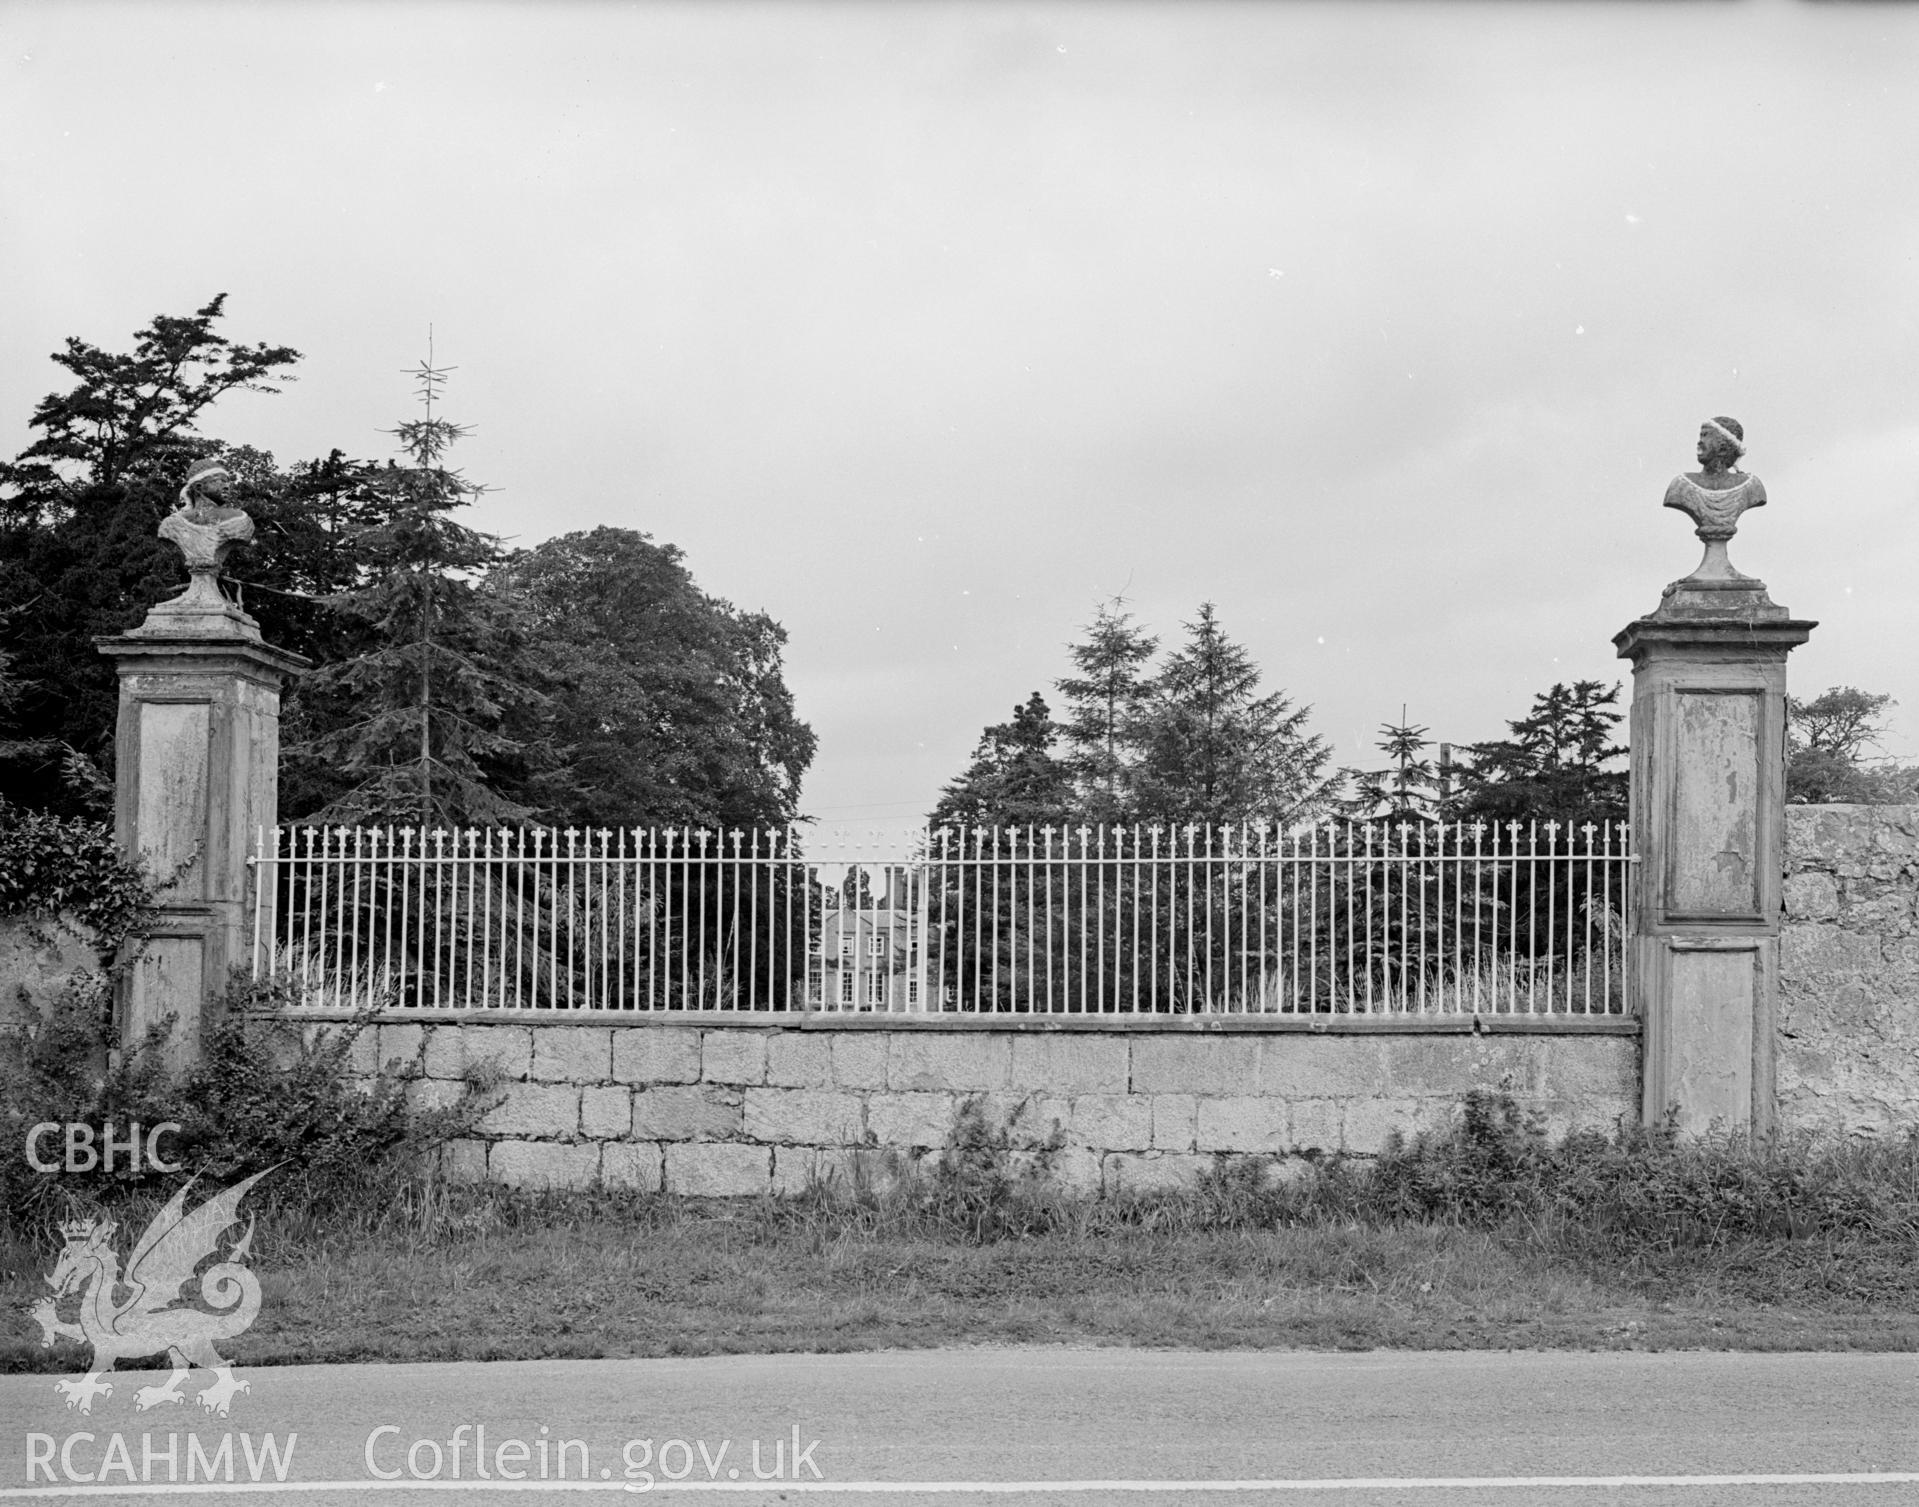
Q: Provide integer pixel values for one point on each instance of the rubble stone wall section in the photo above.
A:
(39, 957)
(1848, 1044)
(742, 1110)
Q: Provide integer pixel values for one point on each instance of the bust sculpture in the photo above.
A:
(1716, 495)
(205, 527)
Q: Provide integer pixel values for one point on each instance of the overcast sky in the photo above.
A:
(926, 328)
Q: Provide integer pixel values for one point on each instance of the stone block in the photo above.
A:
(1602, 1070)
(1078, 1170)
(859, 1059)
(870, 1169)
(1175, 1121)
(1313, 1125)
(452, 1050)
(694, 1112)
(1070, 1063)
(961, 1061)
(573, 1054)
(903, 1120)
(1367, 1124)
(38, 958)
(363, 1056)
(1418, 1066)
(1556, 1118)
(735, 1056)
(1820, 836)
(1027, 1119)
(718, 1171)
(541, 1110)
(544, 1164)
(433, 1093)
(1326, 1067)
(1030, 1119)
(606, 1111)
(1185, 1064)
(1112, 1122)
(634, 1165)
(463, 1161)
(1811, 896)
(1819, 950)
(656, 1054)
(1241, 1122)
(401, 1044)
(444, 1052)
(799, 1059)
(795, 1168)
(1129, 1172)
(804, 1117)
(1885, 918)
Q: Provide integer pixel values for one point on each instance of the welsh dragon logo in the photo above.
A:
(150, 1319)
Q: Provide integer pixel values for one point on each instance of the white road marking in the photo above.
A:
(985, 1488)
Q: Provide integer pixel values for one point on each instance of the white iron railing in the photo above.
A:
(1347, 918)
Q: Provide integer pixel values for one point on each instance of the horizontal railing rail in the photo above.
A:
(1363, 918)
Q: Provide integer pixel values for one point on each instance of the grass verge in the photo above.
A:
(1491, 1236)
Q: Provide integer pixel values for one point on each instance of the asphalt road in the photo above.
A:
(1021, 1427)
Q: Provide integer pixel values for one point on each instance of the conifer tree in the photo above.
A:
(1213, 750)
(439, 696)
(1407, 791)
(1015, 779)
(1102, 703)
(1553, 767)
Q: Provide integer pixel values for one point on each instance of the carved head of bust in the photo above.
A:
(208, 489)
(1721, 442)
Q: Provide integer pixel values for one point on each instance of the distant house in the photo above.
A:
(871, 957)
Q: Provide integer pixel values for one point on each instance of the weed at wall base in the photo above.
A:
(265, 1094)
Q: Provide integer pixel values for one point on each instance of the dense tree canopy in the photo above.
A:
(585, 682)
(79, 510)
(669, 706)
(1554, 767)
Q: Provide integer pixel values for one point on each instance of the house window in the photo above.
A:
(875, 988)
(876, 945)
(846, 944)
(846, 988)
(912, 989)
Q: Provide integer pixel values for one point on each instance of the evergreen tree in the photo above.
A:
(1213, 750)
(1102, 703)
(1015, 780)
(1408, 790)
(440, 696)
(80, 555)
(1553, 768)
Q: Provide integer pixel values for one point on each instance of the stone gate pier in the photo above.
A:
(197, 756)
(1708, 750)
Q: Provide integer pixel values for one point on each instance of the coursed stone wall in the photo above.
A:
(1848, 1047)
(728, 1108)
(38, 959)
